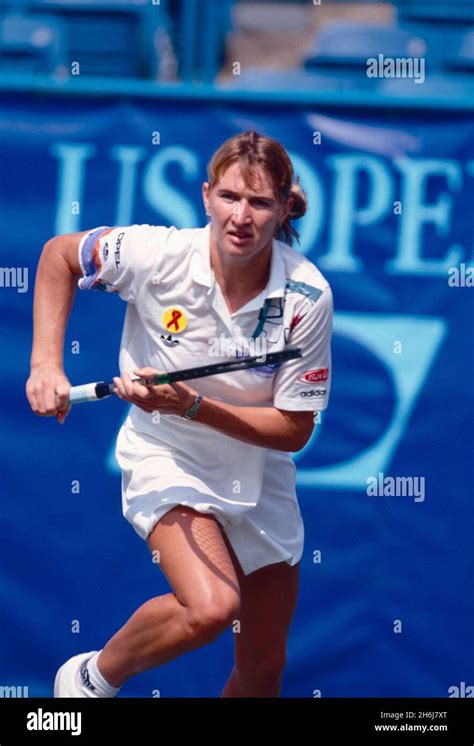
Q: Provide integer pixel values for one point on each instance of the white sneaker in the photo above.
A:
(72, 679)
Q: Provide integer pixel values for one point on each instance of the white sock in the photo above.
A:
(102, 688)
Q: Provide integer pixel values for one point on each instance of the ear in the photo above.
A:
(205, 196)
(286, 210)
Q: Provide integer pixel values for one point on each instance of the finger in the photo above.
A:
(52, 401)
(61, 416)
(147, 374)
(141, 403)
(46, 401)
(147, 371)
(120, 389)
(141, 391)
(127, 384)
(121, 392)
(31, 396)
(62, 396)
(37, 392)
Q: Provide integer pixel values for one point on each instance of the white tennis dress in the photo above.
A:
(177, 318)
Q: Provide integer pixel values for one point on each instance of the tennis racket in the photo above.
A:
(102, 389)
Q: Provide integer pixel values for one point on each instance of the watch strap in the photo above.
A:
(192, 411)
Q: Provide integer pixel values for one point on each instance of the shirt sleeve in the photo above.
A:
(304, 384)
(119, 259)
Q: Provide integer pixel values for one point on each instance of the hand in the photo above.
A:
(47, 390)
(167, 398)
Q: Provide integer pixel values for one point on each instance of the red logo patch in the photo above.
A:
(314, 376)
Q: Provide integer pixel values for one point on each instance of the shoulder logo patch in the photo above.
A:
(303, 288)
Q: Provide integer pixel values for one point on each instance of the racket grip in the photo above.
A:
(90, 392)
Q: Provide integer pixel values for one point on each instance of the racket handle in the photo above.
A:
(90, 392)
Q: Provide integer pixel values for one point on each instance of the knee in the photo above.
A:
(208, 619)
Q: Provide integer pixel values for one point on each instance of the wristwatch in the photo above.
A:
(192, 411)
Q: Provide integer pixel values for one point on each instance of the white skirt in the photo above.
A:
(258, 511)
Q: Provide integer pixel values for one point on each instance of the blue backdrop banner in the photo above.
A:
(385, 484)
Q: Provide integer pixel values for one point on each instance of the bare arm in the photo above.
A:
(55, 286)
(267, 427)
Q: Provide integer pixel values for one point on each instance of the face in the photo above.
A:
(244, 219)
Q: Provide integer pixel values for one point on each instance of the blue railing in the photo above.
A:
(109, 88)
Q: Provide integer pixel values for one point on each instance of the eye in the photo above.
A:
(228, 197)
(261, 203)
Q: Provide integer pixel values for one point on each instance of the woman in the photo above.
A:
(207, 477)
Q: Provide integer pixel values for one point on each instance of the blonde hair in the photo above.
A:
(250, 149)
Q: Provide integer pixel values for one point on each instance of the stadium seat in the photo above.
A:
(436, 87)
(201, 28)
(466, 52)
(259, 78)
(346, 47)
(110, 37)
(440, 14)
(462, 58)
(32, 45)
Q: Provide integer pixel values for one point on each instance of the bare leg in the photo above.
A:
(254, 686)
(204, 602)
(268, 601)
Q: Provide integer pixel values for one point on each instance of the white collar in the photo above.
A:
(202, 273)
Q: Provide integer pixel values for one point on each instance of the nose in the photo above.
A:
(241, 212)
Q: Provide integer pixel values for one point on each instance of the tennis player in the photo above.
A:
(207, 476)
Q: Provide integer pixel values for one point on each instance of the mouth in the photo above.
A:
(240, 238)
